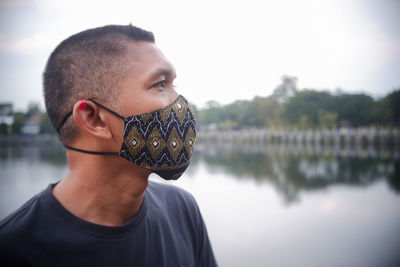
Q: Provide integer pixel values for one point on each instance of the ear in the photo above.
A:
(91, 120)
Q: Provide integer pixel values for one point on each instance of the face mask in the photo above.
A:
(161, 141)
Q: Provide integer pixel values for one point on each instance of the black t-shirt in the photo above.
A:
(168, 230)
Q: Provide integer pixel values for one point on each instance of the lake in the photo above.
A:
(264, 204)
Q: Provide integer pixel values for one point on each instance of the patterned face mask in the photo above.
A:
(161, 141)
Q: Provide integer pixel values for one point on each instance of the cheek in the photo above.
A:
(118, 127)
(163, 99)
(148, 101)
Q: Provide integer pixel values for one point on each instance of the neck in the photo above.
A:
(105, 190)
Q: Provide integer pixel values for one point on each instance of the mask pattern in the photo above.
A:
(162, 140)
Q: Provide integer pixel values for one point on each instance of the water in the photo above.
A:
(264, 205)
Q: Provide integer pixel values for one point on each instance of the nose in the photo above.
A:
(172, 96)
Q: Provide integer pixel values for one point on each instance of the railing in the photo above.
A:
(364, 136)
(25, 139)
(285, 150)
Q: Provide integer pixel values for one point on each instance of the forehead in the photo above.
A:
(146, 59)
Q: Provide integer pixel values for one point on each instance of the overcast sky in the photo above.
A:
(222, 50)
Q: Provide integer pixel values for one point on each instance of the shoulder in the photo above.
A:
(167, 189)
(171, 199)
(16, 232)
(19, 221)
(167, 192)
(184, 215)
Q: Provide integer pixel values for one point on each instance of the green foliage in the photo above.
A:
(354, 109)
(239, 113)
(270, 111)
(33, 108)
(323, 109)
(4, 128)
(307, 107)
(45, 124)
(328, 120)
(381, 112)
(286, 89)
(387, 110)
(289, 107)
(393, 100)
(19, 121)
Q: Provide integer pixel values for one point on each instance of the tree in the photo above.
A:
(270, 111)
(381, 112)
(19, 121)
(33, 108)
(287, 89)
(307, 108)
(393, 99)
(328, 120)
(45, 124)
(354, 109)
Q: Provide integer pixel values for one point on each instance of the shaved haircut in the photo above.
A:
(89, 64)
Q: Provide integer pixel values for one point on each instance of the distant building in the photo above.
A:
(6, 113)
(32, 125)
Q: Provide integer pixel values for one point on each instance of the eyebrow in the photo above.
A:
(167, 72)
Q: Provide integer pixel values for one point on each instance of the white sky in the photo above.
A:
(222, 50)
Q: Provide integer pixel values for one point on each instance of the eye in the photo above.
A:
(160, 84)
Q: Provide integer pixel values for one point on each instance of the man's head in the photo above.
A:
(90, 64)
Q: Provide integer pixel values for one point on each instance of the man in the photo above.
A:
(109, 93)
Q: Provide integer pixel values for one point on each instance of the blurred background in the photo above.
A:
(297, 161)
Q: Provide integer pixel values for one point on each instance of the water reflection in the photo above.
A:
(348, 214)
(50, 152)
(292, 169)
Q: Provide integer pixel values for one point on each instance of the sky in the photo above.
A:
(222, 50)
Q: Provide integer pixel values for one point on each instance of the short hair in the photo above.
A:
(89, 64)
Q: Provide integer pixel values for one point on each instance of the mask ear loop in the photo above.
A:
(81, 107)
(91, 152)
(64, 120)
(109, 110)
